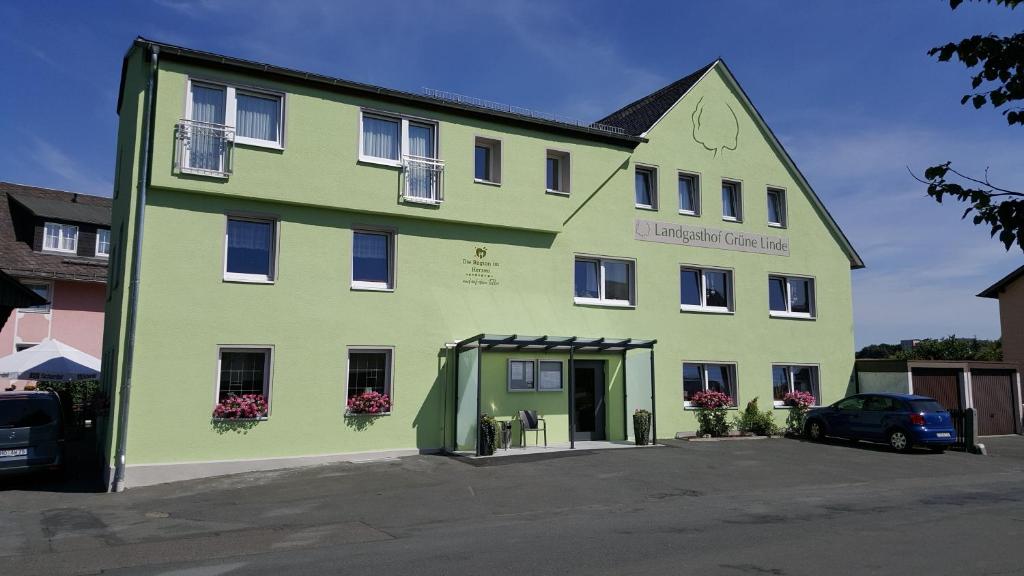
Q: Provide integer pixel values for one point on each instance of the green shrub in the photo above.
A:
(751, 420)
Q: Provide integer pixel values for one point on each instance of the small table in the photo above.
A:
(506, 433)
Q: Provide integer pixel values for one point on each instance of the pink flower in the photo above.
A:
(369, 403)
(711, 399)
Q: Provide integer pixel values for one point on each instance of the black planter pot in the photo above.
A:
(487, 434)
(641, 429)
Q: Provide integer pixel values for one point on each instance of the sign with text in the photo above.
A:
(704, 237)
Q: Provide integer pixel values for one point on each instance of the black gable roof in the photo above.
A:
(638, 117)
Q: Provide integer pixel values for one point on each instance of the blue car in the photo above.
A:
(31, 431)
(900, 420)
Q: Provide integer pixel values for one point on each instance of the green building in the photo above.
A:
(310, 239)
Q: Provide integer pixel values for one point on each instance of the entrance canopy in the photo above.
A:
(637, 377)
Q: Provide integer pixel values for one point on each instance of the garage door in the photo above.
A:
(993, 401)
(943, 384)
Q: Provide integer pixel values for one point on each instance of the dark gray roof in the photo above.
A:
(638, 117)
(14, 294)
(69, 208)
(994, 290)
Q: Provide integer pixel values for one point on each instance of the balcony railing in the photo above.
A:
(423, 179)
(203, 148)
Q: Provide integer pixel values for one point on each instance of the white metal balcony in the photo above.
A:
(203, 148)
(423, 179)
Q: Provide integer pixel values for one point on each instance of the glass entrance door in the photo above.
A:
(588, 400)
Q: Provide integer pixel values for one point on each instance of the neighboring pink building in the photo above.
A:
(57, 244)
(1010, 293)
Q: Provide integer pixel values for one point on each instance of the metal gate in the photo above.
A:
(992, 391)
(943, 384)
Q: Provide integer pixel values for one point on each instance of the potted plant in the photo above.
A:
(753, 422)
(369, 402)
(488, 435)
(711, 412)
(799, 403)
(244, 407)
(641, 427)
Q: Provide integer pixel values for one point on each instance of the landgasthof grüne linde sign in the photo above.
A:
(704, 237)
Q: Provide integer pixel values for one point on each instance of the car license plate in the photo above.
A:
(15, 452)
(942, 434)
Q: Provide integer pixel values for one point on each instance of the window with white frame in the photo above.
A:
(487, 160)
(243, 371)
(604, 281)
(103, 242)
(646, 187)
(705, 289)
(557, 172)
(60, 237)
(550, 379)
(732, 201)
(42, 289)
(708, 377)
(794, 378)
(373, 260)
(791, 296)
(386, 138)
(777, 207)
(369, 370)
(522, 375)
(250, 249)
(256, 115)
(689, 194)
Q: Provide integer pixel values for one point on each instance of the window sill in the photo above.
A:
(730, 219)
(515, 390)
(550, 390)
(556, 192)
(370, 287)
(253, 143)
(603, 303)
(791, 316)
(777, 225)
(229, 420)
(364, 414)
(645, 207)
(705, 310)
(688, 213)
(241, 279)
(486, 182)
(59, 252)
(419, 200)
(695, 408)
(380, 161)
(27, 311)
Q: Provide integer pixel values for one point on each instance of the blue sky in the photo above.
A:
(846, 86)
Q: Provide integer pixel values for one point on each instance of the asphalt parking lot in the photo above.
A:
(777, 506)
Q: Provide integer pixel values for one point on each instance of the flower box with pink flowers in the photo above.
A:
(368, 403)
(243, 407)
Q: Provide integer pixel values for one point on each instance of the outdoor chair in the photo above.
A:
(530, 422)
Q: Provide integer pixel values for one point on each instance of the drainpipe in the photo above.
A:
(133, 294)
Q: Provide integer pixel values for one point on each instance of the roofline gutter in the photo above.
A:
(136, 272)
(172, 52)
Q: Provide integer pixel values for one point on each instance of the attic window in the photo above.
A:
(60, 237)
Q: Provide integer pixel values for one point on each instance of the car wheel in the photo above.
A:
(815, 431)
(898, 440)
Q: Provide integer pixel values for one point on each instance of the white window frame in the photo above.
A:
(231, 109)
(694, 177)
(98, 253)
(561, 375)
(783, 208)
(704, 379)
(564, 171)
(703, 306)
(42, 308)
(508, 371)
(815, 377)
(275, 226)
(268, 370)
(495, 165)
(601, 300)
(389, 371)
(653, 172)
(388, 286)
(737, 187)
(403, 135)
(788, 313)
(61, 234)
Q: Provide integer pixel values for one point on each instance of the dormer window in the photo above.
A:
(103, 243)
(60, 238)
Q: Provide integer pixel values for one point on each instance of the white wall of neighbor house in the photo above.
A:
(896, 382)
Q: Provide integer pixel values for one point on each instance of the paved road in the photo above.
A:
(734, 508)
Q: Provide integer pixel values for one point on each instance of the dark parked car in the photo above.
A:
(900, 420)
(31, 431)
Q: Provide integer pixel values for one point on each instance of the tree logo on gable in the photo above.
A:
(715, 126)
